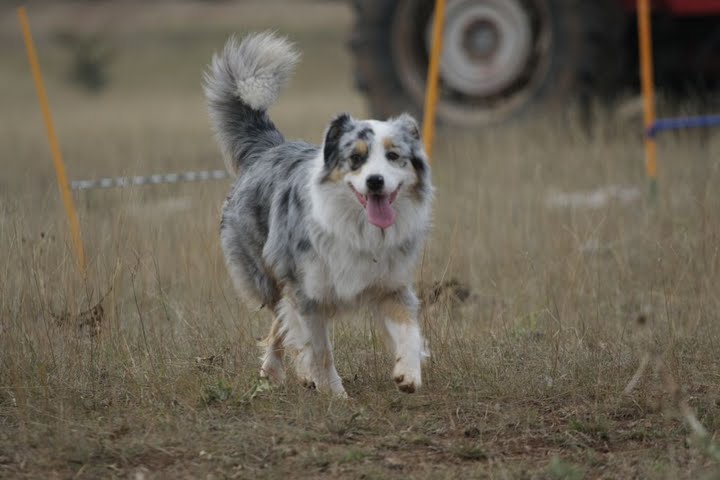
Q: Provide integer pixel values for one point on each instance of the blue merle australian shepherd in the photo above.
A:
(313, 230)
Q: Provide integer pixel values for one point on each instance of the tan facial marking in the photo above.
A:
(388, 143)
(361, 147)
(336, 175)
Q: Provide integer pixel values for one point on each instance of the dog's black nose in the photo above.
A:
(375, 183)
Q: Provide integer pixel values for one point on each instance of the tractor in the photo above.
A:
(505, 59)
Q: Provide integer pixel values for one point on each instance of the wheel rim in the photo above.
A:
(495, 55)
(486, 45)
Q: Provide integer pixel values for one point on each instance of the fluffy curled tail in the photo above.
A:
(242, 82)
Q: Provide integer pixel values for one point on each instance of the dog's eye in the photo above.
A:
(355, 160)
(392, 156)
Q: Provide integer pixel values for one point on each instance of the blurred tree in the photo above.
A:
(91, 58)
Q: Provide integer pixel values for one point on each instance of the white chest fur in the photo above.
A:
(342, 274)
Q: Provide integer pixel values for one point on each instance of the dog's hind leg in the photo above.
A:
(398, 318)
(273, 359)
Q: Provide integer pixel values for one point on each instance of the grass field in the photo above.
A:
(567, 342)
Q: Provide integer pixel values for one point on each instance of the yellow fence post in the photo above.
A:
(53, 141)
(431, 89)
(648, 89)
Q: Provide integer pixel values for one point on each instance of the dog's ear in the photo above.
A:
(338, 126)
(409, 125)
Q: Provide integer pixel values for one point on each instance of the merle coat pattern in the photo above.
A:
(309, 230)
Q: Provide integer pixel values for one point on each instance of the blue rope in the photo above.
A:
(682, 123)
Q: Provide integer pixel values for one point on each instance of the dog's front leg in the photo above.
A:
(317, 356)
(273, 358)
(398, 314)
(305, 327)
(310, 336)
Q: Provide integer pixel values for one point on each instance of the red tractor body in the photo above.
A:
(504, 59)
(681, 7)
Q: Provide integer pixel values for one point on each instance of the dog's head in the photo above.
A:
(376, 162)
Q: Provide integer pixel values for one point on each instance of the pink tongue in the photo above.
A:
(379, 211)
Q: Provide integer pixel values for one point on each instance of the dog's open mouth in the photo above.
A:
(378, 208)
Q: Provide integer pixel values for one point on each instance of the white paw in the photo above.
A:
(335, 387)
(407, 378)
(327, 380)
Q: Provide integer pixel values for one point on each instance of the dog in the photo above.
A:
(312, 230)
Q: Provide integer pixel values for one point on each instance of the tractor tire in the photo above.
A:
(502, 59)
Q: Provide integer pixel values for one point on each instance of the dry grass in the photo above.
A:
(558, 307)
